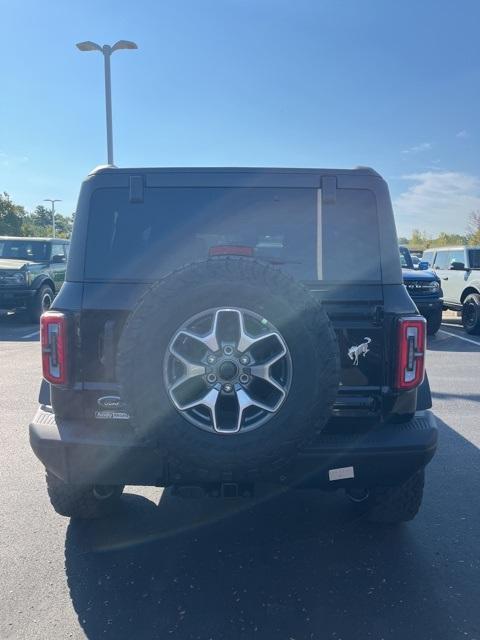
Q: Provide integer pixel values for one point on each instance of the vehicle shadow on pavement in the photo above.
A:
(443, 342)
(467, 397)
(18, 328)
(299, 565)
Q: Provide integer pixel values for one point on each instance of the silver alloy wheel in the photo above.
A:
(46, 302)
(227, 370)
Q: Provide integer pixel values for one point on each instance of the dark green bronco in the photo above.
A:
(32, 270)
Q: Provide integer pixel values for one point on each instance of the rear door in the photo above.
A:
(441, 266)
(130, 245)
(453, 282)
(329, 242)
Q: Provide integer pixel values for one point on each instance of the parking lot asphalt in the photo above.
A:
(299, 565)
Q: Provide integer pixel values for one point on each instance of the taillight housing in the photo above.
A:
(411, 344)
(53, 331)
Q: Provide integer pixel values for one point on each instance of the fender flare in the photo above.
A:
(41, 280)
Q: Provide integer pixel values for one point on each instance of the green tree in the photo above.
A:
(474, 228)
(445, 239)
(63, 226)
(419, 240)
(39, 223)
(11, 216)
(42, 217)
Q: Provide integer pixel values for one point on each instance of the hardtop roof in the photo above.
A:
(367, 171)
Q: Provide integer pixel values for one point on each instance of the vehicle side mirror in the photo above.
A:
(422, 265)
(457, 266)
(57, 259)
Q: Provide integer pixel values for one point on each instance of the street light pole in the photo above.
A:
(108, 102)
(107, 51)
(52, 201)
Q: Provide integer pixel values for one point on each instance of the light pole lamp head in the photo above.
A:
(124, 44)
(88, 45)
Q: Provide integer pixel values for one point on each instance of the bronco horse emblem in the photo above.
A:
(359, 350)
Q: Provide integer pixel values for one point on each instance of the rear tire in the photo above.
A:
(471, 314)
(82, 501)
(41, 302)
(434, 322)
(393, 505)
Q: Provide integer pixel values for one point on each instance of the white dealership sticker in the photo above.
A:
(342, 473)
(111, 415)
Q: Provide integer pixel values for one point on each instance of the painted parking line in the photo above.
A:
(455, 335)
(30, 335)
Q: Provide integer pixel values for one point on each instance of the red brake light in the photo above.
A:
(411, 352)
(53, 330)
(230, 250)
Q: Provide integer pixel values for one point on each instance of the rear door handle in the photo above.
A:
(444, 277)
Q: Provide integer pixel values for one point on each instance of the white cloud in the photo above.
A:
(437, 201)
(418, 148)
(462, 134)
(10, 162)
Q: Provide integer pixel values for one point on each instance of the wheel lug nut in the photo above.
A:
(244, 378)
(228, 387)
(228, 350)
(244, 360)
(211, 378)
(210, 359)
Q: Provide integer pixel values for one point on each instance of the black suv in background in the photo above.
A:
(424, 288)
(208, 337)
(32, 270)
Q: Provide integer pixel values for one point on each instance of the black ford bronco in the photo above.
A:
(223, 327)
(425, 289)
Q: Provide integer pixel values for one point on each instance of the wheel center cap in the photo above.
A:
(228, 370)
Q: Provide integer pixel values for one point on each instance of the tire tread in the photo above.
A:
(392, 505)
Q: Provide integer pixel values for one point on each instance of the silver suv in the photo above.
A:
(459, 271)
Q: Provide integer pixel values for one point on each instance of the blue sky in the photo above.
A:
(394, 85)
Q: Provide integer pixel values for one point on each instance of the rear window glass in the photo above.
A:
(474, 258)
(351, 244)
(175, 226)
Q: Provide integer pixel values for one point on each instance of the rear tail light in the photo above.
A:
(411, 352)
(53, 330)
(230, 250)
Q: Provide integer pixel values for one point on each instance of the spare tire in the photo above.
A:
(228, 366)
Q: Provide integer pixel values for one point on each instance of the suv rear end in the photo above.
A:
(328, 237)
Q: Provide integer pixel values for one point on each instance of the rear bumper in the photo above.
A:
(110, 454)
